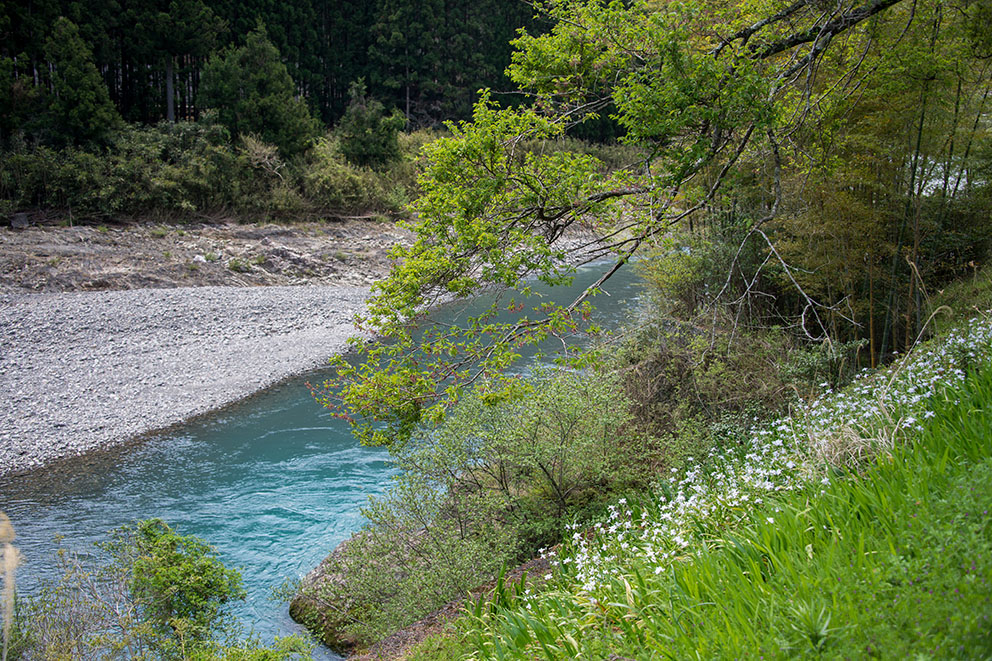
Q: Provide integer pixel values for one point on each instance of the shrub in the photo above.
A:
(163, 169)
(827, 364)
(148, 593)
(183, 168)
(489, 486)
(177, 581)
(336, 184)
(368, 136)
(332, 183)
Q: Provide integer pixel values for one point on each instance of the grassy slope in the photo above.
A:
(774, 552)
(962, 299)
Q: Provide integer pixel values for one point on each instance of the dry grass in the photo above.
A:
(852, 447)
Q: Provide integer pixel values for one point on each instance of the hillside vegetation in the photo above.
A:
(189, 171)
(858, 527)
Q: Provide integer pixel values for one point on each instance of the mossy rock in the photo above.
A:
(322, 623)
(326, 620)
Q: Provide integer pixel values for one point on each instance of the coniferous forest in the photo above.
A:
(118, 111)
(425, 57)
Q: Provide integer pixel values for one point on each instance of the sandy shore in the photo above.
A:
(87, 370)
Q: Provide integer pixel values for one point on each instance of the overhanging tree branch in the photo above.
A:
(495, 206)
(829, 30)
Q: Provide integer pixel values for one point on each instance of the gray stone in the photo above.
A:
(76, 360)
(19, 221)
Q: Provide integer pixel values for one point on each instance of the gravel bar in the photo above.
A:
(88, 370)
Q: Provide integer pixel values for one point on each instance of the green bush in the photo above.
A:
(148, 593)
(686, 271)
(336, 184)
(170, 168)
(174, 170)
(368, 136)
(491, 485)
(177, 581)
(166, 169)
(332, 183)
(827, 364)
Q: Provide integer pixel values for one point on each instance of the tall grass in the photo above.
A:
(771, 551)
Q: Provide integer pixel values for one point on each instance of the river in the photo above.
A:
(273, 482)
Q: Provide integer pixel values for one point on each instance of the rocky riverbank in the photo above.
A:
(111, 332)
(87, 370)
(176, 327)
(49, 257)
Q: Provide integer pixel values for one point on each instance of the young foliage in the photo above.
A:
(150, 593)
(469, 236)
(177, 581)
(703, 96)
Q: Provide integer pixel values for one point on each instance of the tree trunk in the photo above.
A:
(871, 312)
(967, 149)
(170, 92)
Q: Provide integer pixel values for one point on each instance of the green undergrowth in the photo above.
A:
(858, 528)
(182, 170)
(497, 481)
(961, 299)
(146, 593)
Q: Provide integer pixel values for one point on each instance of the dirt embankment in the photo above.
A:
(48, 257)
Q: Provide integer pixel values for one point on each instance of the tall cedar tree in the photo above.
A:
(442, 51)
(79, 104)
(405, 54)
(252, 92)
(170, 31)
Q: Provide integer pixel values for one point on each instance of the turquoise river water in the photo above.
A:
(272, 482)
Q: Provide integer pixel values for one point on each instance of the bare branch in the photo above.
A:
(746, 33)
(835, 27)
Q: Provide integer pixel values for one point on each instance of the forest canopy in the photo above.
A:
(426, 57)
(833, 158)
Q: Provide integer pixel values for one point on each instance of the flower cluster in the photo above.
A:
(788, 454)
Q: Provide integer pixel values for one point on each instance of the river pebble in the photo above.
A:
(87, 370)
